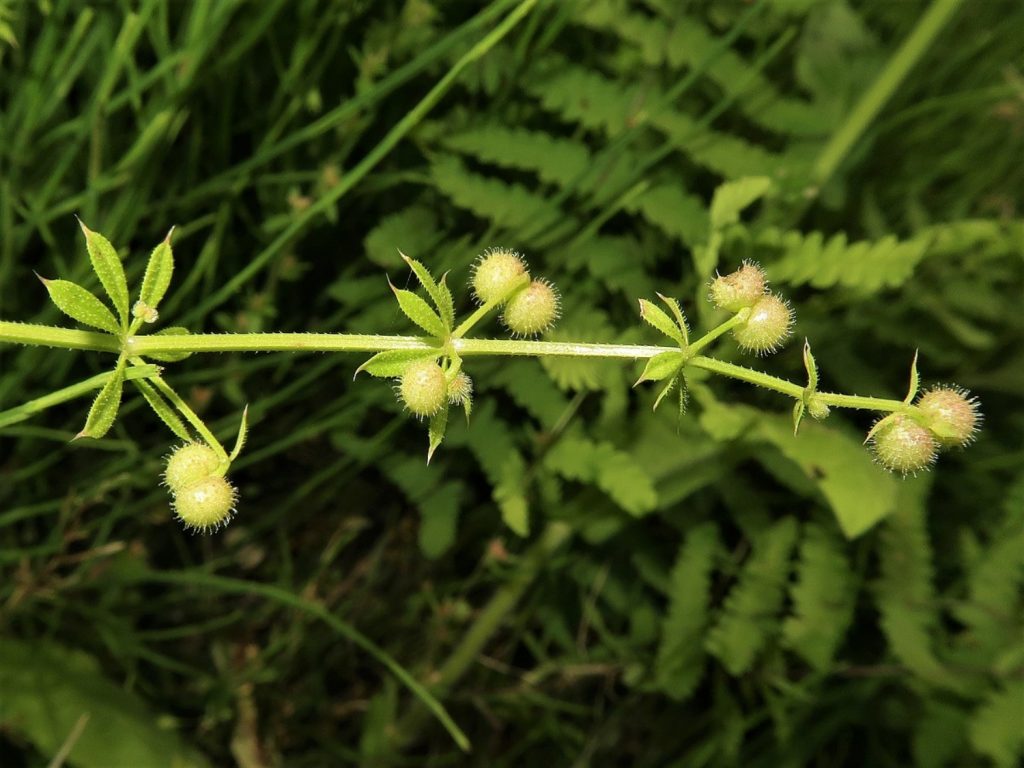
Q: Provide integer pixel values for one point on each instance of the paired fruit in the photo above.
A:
(203, 499)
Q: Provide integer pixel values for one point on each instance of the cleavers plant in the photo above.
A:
(428, 368)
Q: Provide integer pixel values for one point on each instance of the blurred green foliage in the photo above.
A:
(715, 593)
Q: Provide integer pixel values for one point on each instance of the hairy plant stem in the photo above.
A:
(42, 335)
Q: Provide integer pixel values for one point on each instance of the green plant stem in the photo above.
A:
(714, 333)
(484, 309)
(875, 98)
(32, 407)
(23, 333)
(64, 338)
(193, 418)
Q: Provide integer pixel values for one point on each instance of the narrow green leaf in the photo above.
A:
(78, 304)
(170, 357)
(656, 317)
(665, 391)
(680, 660)
(158, 273)
(433, 290)
(393, 362)
(243, 433)
(677, 312)
(661, 366)
(446, 304)
(732, 197)
(163, 409)
(438, 424)
(811, 366)
(684, 394)
(104, 407)
(108, 268)
(798, 415)
(915, 381)
(417, 310)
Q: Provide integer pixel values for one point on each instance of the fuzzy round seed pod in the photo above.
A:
(190, 464)
(423, 388)
(496, 272)
(951, 415)
(818, 409)
(738, 289)
(532, 310)
(460, 389)
(768, 325)
(902, 445)
(207, 505)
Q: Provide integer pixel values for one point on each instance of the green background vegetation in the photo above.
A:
(579, 581)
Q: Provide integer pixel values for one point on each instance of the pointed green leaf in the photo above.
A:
(158, 273)
(665, 392)
(656, 317)
(915, 381)
(661, 366)
(243, 433)
(393, 362)
(732, 197)
(677, 312)
(438, 424)
(878, 425)
(684, 394)
(811, 366)
(104, 407)
(108, 268)
(163, 409)
(170, 357)
(78, 304)
(445, 302)
(433, 290)
(417, 310)
(798, 415)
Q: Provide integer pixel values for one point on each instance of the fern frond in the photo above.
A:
(997, 726)
(823, 263)
(675, 212)
(688, 44)
(823, 598)
(509, 206)
(555, 160)
(597, 103)
(749, 616)
(680, 661)
(905, 590)
(613, 471)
